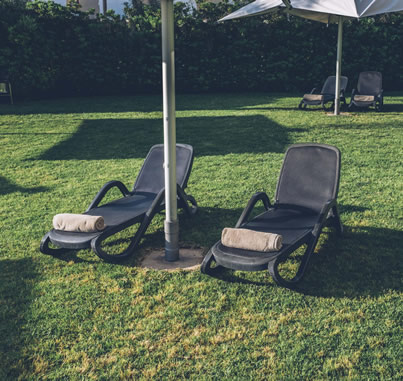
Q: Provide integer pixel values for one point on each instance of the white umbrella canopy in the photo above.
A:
(325, 11)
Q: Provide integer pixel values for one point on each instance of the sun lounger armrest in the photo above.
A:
(185, 199)
(104, 190)
(313, 90)
(259, 196)
(354, 92)
(323, 215)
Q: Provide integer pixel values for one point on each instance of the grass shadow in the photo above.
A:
(386, 108)
(76, 256)
(80, 105)
(6, 187)
(132, 138)
(343, 208)
(17, 278)
(153, 103)
(133, 103)
(239, 277)
(392, 107)
(273, 108)
(32, 133)
(365, 261)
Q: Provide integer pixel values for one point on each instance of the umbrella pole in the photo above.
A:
(338, 66)
(171, 224)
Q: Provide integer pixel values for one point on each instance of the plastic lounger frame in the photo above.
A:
(237, 259)
(187, 202)
(328, 92)
(369, 83)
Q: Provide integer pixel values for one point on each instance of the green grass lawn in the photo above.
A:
(76, 317)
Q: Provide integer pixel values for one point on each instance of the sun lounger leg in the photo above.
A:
(205, 267)
(378, 105)
(335, 220)
(96, 242)
(184, 201)
(302, 105)
(273, 266)
(45, 249)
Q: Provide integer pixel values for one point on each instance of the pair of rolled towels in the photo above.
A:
(82, 223)
(251, 240)
(237, 238)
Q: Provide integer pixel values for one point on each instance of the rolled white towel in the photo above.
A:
(313, 97)
(364, 98)
(251, 240)
(83, 223)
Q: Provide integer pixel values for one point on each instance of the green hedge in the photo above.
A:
(49, 50)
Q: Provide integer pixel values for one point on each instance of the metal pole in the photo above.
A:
(168, 84)
(338, 66)
(104, 6)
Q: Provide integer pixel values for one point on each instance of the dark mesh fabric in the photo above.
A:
(124, 209)
(329, 86)
(309, 176)
(151, 177)
(369, 83)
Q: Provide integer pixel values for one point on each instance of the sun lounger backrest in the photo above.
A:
(151, 176)
(369, 83)
(309, 176)
(329, 86)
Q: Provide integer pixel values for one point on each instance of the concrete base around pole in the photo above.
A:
(190, 259)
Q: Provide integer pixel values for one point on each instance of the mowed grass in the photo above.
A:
(76, 317)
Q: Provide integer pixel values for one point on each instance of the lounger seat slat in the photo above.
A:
(123, 210)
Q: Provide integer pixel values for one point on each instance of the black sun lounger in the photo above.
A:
(369, 91)
(136, 206)
(326, 95)
(5, 87)
(305, 202)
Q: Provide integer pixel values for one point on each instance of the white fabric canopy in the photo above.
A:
(326, 11)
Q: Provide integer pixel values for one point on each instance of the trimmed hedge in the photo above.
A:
(49, 50)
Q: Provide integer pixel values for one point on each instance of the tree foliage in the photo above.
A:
(49, 49)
